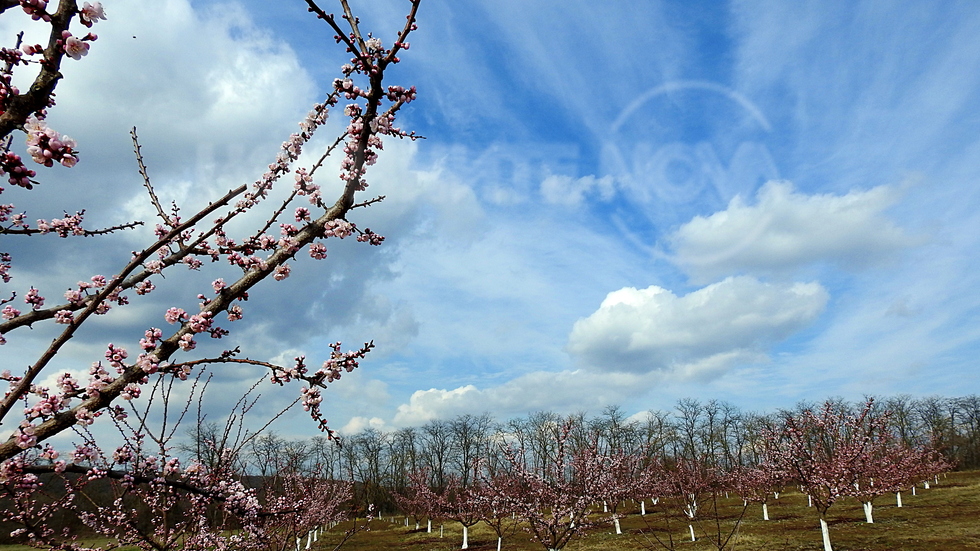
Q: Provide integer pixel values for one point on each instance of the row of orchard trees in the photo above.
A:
(557, 476)
(832, 453)
(713, 432)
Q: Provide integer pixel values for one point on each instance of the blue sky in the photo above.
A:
(616, 203)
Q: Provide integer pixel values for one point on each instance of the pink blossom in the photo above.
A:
(25, 435)
(131, 391)
(64, 317)
(192, 262)
(91, 13)
(186, 342)
(9, 312)
(150, 338)
(148, 363)
(116, 355)
(235, 313)
(144, 287)
(200, 323)
(84, 416)
(76, 48)
(75, 297)
(84, 452)
(174, 315)
(318, 251)
(338, 228)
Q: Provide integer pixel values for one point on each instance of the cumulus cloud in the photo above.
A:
(358, 424)
(426, 405)
(696, 335)
(786, 230)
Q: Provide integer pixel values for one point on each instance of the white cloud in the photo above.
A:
(358, 424)
(565, 190)
(696, 335)
(786, 230)
(426, 405)
(560, 391)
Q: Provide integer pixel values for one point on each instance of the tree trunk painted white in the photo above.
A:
(825, 532)
(925, 484)
(656, 500)
(869, 512)
(316, 534)
(440, 530)
(775, 495)
(499, 542)
(428, 528)
(643, 507)
(898, 499)
(309, 539)
(913, 489)
(466, 539)
(765, 511)
(605, 506)
(297, 543)
(691, 528)
(809, 500)
(406, 522)
(937, 479)
(616, 523)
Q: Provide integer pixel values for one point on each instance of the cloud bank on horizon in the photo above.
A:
(763, 202)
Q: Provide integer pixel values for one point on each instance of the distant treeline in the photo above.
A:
(712, 430)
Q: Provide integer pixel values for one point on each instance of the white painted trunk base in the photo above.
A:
(765, 511)
(898, 499)
(869, 512)
(691, 528)
(825, 532)
(466, 539)
(616, 523)
(643, 507)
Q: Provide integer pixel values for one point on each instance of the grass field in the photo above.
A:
(945, 517)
